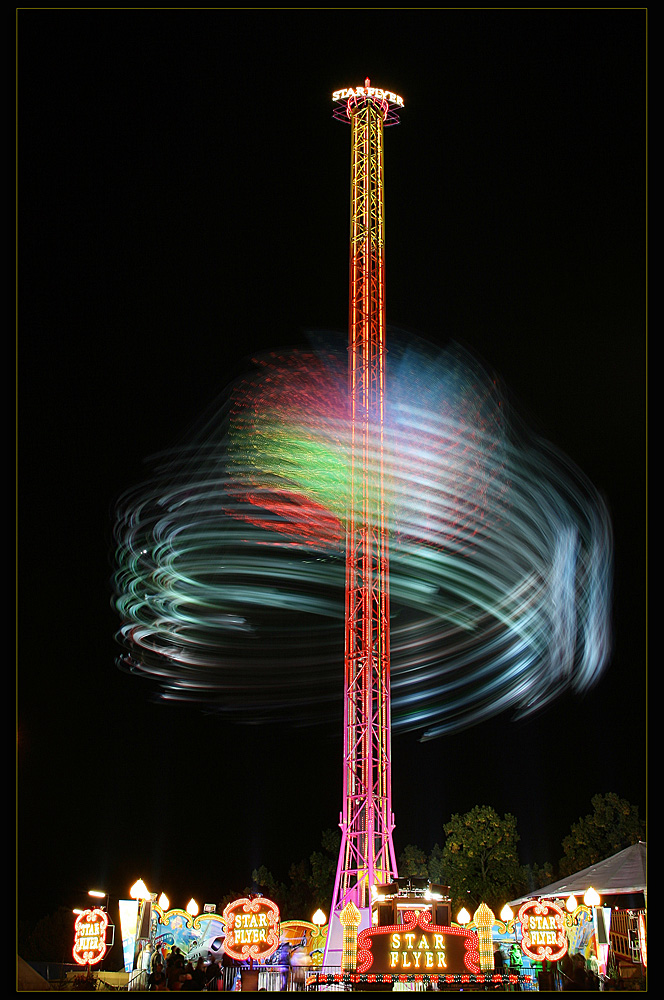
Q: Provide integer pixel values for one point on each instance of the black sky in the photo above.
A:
(183, 203)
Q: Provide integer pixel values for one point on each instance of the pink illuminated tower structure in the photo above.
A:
(366, 858)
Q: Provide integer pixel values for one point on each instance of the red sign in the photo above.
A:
(90, 936)
(543, 935)
(252, 929)
(417, 947)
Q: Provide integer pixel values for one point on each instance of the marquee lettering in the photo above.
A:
(542, 930)
(382, 95)
(417, 946)
(252, 928)
(90, 937)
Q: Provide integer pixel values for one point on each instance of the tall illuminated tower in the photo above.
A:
(367, 853)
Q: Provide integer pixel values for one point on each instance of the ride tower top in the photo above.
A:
(351, 97)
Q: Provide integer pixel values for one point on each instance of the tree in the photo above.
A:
(321, 880)
(413, 862)
(436, 866)
(311, 881)
(330, 841)
(324, 868)
(480, 859)
(613, 825)
(51, 940)
(264, 881)
(536, 877)
(299, 900)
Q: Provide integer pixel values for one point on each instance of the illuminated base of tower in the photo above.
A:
(393, 905)
(333, 955)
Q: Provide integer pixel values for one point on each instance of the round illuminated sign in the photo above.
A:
(543, 935)
(252, 929)
(90, 936)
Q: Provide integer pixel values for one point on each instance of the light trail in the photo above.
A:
(229, 577)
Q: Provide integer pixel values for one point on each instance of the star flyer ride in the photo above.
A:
(381, 930)
(366, 857)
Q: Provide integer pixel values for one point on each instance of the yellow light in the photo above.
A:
(591, 898)
(96, 893)
(571, 904)
(463, 916)
(139, 890)
(507, 913)
(164, 901)
(483, 920)
(483, 916)
(192, 907)
(319, 918)
(350, 916)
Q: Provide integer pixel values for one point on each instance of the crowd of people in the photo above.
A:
(177, 973)
(576, 975)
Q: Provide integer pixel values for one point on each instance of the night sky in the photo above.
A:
(183, 203)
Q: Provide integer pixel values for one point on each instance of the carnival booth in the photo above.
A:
(605, 908)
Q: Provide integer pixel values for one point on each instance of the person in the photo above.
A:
(566, 972)
(187, 977)
(176, 973)
(212, 975)
(593, 973)
(198, 976)
(157, 978)
(498, 960)
(516, 963)
(580, 976)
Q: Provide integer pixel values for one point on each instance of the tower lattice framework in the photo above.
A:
(367, 853)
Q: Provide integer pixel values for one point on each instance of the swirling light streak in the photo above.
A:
(229, 573)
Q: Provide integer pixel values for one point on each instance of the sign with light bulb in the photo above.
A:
(90, 937)
(252, 929)
(417, 946)
(543, 935)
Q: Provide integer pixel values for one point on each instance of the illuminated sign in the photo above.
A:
(90, 936)
(543, 931)
(417, 946)
(350, 918)
(483, 920)
(381, 95)
(252, 929)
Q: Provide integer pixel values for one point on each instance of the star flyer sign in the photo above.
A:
(252, 929)
(347, 93)
(543, 935)
(90, 936)
(417, 946)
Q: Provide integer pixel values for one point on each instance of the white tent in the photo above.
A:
(621, 874)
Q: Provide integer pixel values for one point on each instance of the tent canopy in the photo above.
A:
(625, 872)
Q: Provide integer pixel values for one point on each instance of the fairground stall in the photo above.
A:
(605, 907)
